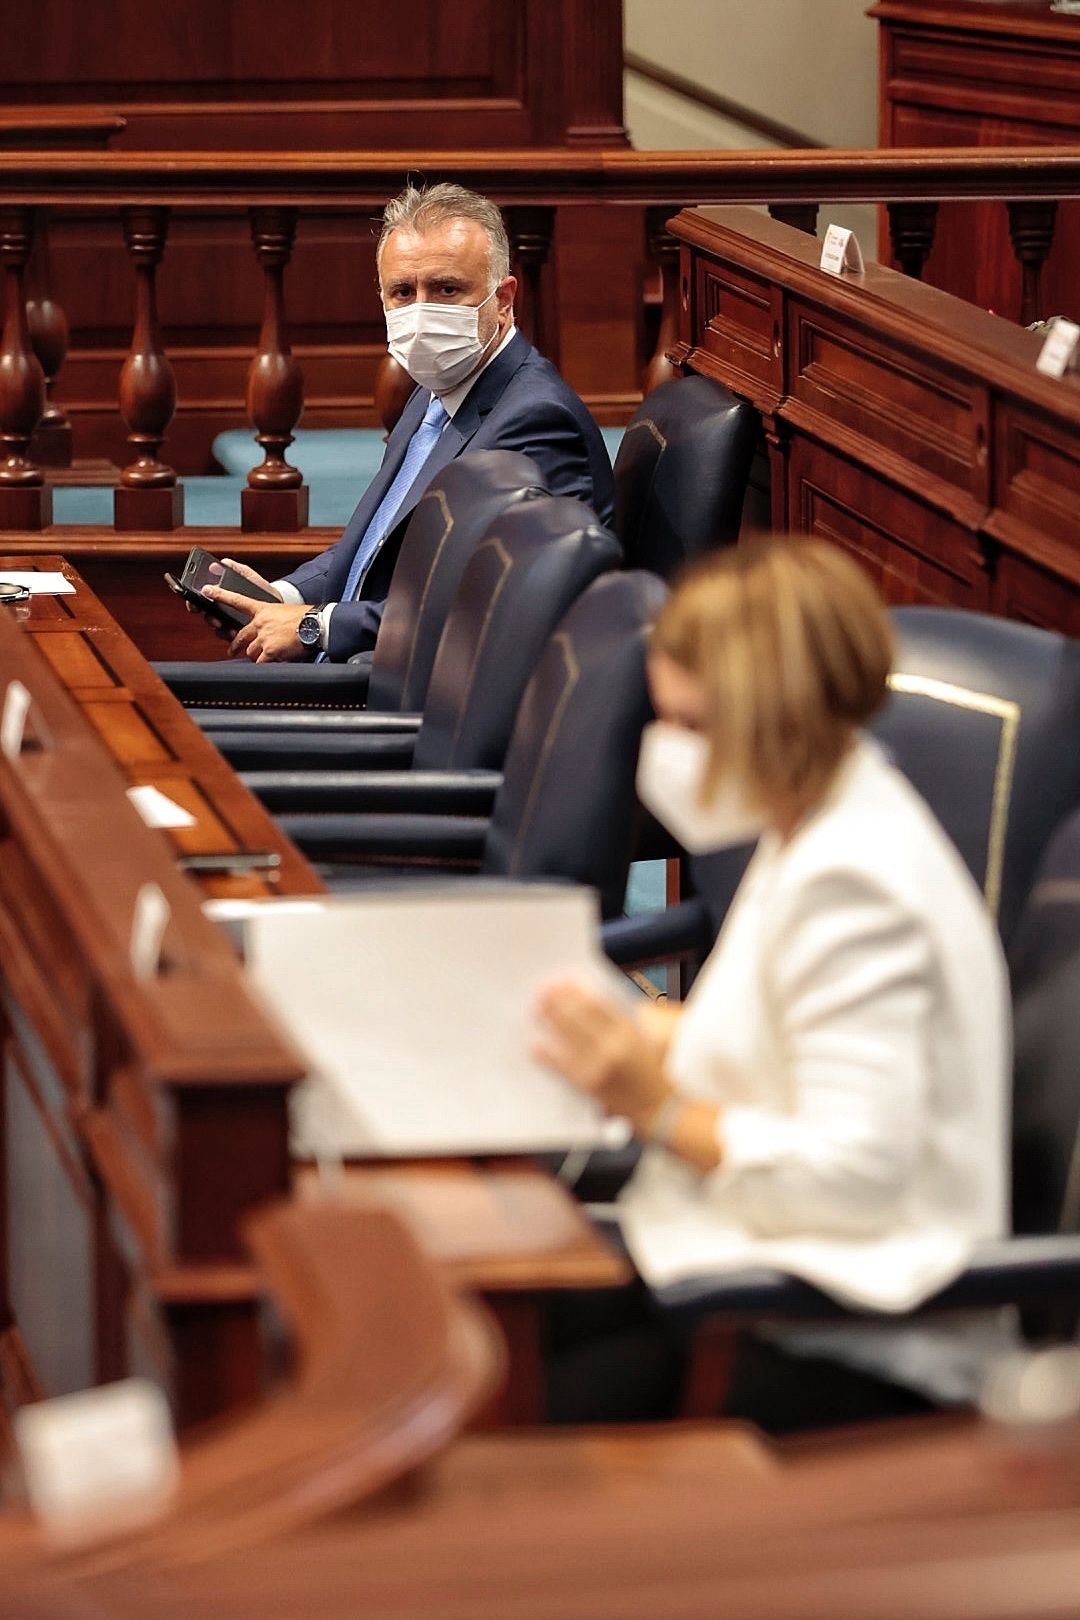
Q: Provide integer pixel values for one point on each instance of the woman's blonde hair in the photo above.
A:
(792, 645)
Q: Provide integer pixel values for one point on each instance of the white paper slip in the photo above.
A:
(103, 1458)
(38, 582)
(222, 908)
(418, 1013)
(157, 809)
(841, 251)
(1059, 351)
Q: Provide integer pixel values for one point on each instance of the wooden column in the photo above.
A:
(148, 496)
(911, 234)
(1031, 227)
(802, 215)
(276, 498)
(663, 250)
(51, 446)
(531, 230)
(25, 503)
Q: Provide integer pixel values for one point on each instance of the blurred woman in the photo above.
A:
(832, 1099)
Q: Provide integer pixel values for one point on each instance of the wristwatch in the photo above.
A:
(309, 630)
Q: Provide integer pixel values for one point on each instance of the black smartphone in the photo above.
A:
(203, 568)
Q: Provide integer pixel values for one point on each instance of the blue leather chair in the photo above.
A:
(441, 536)
(533, 562)
(983, 718)
(564, 805)
(681, 473)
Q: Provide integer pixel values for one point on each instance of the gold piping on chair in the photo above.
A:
(499, 548)
(647, 422)
(448, 520)
(573, 673)
(1008, 712)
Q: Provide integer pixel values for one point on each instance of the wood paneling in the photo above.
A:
(965, 73)
(902, 423)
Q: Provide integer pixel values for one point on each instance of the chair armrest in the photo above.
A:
(315, 752)
(1021, 1271)
(419, 793)
(660, 936)
(357, 722)
(427, 840)
(233, 682)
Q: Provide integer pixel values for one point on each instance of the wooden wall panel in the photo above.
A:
(415, 77)
(963, 73)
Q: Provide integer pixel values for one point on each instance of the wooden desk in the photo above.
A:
(501, 1228)
(142, 1120)
(900, 422)
(352, 1492)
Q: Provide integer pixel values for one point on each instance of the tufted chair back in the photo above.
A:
(532, 563)
(681, 473)
(983, 718)
(450, 519)
(567, 806)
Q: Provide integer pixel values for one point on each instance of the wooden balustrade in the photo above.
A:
(276, 498)
(275, 189)
(149, 496)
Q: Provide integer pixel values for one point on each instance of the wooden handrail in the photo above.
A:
(351, 179)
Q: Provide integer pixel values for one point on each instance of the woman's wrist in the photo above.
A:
(688, 1127)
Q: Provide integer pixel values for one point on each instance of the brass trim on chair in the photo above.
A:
(493, 543)
(572, 676)
(647, 422)
(448, 519)
(1008, 712)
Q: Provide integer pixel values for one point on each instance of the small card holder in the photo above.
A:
(840, 251)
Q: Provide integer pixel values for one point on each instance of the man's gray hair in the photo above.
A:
(423, 207)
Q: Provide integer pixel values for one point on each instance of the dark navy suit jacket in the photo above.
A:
(519, 402)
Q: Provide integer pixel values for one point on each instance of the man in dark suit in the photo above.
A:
(444, 275)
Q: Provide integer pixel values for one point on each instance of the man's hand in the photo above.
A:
(604, 1050)
(269, 636)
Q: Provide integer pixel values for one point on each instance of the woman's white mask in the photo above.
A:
(438, 344)
(670, 773)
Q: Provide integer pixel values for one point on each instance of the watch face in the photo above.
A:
(309, 630)
(10, 592)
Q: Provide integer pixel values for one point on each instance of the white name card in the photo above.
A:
(148, 925)
(840, 251)
(13, 724)
(98, 1459)
(1059, 351)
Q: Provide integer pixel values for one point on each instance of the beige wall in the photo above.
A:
(811, 64)
(808, 64)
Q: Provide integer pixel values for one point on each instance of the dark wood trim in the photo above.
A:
(770, 129)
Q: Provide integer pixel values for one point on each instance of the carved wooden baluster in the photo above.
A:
(663, 250)
(911, 234)
(25, 503)
(802, 215)
(148, 496)
(276, 497)
(1031, 226)
(51, 444)
(531, 230)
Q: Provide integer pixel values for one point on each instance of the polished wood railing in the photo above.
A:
(276, 189)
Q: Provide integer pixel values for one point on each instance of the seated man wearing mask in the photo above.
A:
(443, 262)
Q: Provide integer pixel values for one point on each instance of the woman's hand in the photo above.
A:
(604, 1050)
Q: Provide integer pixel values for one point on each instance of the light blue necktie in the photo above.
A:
(383, 518)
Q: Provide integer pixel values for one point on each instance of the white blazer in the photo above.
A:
(852, 1022)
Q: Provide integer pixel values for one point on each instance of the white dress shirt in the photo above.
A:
(852, 1024)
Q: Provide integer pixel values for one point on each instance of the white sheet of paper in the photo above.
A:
(157, 809)
(417, 1011)
(39, 583)
(1058, 353)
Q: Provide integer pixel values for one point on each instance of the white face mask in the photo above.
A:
(438, 344)
(671, 769)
